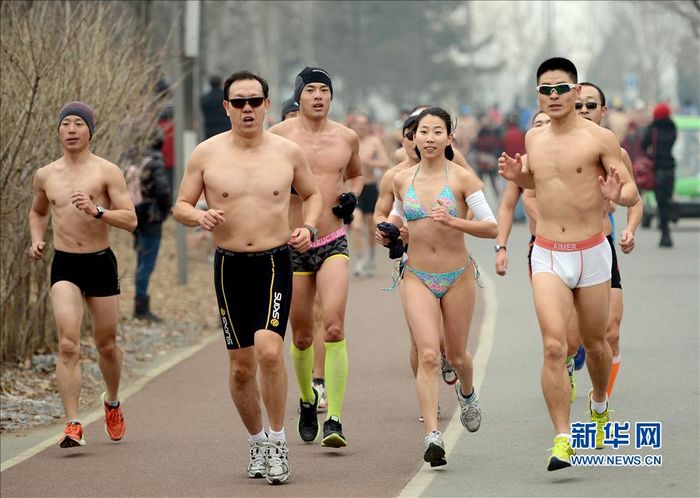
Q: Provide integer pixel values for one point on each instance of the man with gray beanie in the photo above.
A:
(332, 151)
(83, 194)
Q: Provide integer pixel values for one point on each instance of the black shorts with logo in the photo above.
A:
(616, 279)
(254, 292)
(95, 273)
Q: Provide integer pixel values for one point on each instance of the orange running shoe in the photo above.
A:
(115, 427)
(72, 435)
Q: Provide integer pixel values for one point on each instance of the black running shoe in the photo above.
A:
(308, 423)
(333, 433)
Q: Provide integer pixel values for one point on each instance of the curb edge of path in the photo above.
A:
(125, 394)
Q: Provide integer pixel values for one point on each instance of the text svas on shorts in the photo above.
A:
(254, 292)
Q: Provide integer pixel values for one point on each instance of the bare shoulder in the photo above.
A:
(393, 171)
(607, 135)
(283, 127)
(205, 149)
(403, 176)
(460, 172)
(45, 171)
(535, 132)
(105, 165)
(466, 177)
(283, 144)
(346, 133)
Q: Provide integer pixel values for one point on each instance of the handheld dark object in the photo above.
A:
(395, 245)
(346, 205)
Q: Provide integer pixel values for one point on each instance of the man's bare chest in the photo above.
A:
(565, 159)
(326, 154)
(235, 178)
(60, 186)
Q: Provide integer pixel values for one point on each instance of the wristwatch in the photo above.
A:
(100, 211)
(498, 247)
(314, 232)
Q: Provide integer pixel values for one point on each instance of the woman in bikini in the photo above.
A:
(440, 276)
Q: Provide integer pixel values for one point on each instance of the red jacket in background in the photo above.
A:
(514, 141)
(168, 150)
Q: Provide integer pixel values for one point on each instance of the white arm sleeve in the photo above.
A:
(477, 203)
(397, 210)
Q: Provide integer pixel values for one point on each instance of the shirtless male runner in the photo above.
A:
(375, 162)
(246, 175)
(83, 194)
(573, 164)
(333, 154)
(506, 211)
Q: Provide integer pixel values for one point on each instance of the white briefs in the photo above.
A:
(577, 264)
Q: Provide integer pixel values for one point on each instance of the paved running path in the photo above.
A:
(184, 437)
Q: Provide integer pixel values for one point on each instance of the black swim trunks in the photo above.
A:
(616, 279)
(95, 273)
(254, 292)
(368, 198)
(333, 245)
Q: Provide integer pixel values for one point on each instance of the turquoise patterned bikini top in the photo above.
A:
(412, 207)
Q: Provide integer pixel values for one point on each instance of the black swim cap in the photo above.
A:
(288, 106)
(311, 75)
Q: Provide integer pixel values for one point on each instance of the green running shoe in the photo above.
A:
(561, 454)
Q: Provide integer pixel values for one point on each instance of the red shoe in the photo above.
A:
(115, 427)
(72, 435)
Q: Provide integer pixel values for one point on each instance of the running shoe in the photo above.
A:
(470, 415)
(257, 466)
(448, 372)
(323, 402)
(72, 435)
(308, 422)
(333, 433)
(570, 368)
(115, 427)
(580, 358)
(600, 420)
(434, 452)
(561, 454)
(277, 463)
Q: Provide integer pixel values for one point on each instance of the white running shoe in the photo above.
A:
(257, 466)
(323, 400)
(434, 452)
(277, 464)
(470, 415)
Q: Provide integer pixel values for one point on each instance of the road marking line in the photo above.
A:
(425, 475)
(124, 395)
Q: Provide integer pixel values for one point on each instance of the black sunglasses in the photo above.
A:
(239, 103)
(560, 88)
(589, 105)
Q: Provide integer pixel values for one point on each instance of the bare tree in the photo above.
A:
(96, 53)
